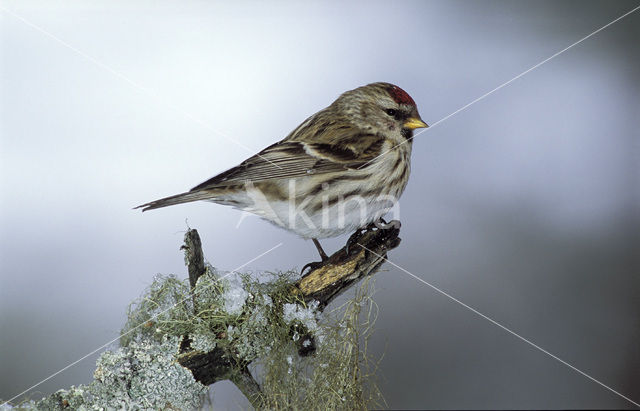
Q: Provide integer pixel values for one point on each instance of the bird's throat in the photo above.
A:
(407, 133)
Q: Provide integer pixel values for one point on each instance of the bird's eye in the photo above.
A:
(391, 112)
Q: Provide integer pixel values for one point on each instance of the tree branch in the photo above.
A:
(349, 264)
(324, 282)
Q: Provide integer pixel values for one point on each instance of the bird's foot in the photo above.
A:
(353, 240)
(383, 225)
(350, 248)
(311, 266)
(380, 224)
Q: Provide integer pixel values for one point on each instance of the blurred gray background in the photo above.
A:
(524, 206)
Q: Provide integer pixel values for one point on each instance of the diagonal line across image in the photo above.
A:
(105, 345)
(473, 310)
(159, 99)
(201, 122)
(503, 85)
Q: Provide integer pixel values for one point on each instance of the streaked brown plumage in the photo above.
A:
(339, 170)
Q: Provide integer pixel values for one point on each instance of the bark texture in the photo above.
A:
(363, 255)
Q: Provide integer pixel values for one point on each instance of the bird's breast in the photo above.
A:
(392, 169)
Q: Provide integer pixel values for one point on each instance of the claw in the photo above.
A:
(353, 240)
(312, 266)
(383, 225)
(380, 224)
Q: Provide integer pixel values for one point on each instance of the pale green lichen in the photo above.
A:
(143, 375)
(264, 324)
(339, 375)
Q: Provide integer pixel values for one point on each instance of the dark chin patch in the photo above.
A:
(406, 133)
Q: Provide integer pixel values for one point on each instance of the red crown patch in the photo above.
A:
(400, 96)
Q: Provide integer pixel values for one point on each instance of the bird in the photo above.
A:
(340, 170)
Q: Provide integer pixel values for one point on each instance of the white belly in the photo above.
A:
(343, 217)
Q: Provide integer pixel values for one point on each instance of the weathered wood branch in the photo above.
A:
(144, 373)
(349, 264)
(218, 364)
(362, 256)
(193, 256)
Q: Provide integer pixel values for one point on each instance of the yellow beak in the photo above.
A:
(413, 123)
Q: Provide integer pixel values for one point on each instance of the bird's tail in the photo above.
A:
(187, 197)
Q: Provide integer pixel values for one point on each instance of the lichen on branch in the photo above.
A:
(272, 337)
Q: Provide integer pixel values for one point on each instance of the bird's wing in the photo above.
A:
(293, 159)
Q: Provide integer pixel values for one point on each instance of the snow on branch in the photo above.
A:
(183, 335)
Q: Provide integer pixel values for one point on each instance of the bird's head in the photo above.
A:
(381, 108)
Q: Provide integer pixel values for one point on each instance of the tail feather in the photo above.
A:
(187, 197)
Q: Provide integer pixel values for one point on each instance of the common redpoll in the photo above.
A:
(340, 170)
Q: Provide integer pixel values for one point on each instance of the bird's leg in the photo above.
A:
(323, 255)
(313, 265)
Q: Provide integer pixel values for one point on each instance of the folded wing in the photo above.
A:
(284, 160)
